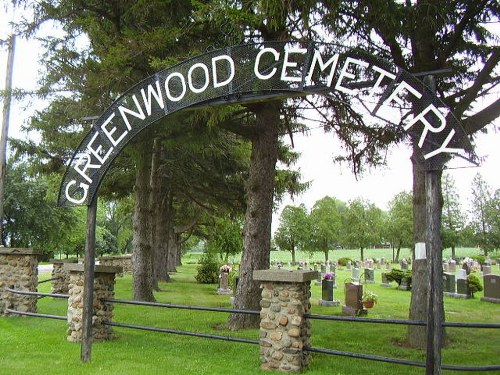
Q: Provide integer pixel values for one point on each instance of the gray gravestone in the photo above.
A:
(462, 288)
(355, 274)
(449, 283)
(385, 282)
(491, 288)
(369, 275)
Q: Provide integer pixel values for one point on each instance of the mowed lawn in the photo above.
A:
(38, 346)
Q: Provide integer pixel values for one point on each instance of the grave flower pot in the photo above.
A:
(368, 304)
(327, 290)
(369, 299)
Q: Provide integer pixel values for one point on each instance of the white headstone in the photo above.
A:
(461, 274)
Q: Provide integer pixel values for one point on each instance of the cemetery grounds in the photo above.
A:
(38, 346)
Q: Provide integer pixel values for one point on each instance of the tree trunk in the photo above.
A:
(142, 250)
(417, 335)
(161, 218)
(293, 256)
(258, 217)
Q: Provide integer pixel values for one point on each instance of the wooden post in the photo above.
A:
(435, 299)
(4, 133)
(88, 287)
(435, 315)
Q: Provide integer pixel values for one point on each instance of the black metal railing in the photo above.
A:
(370, 357)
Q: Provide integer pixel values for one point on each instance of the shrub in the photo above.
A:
(474, 284)
(399, 276)
(343, 261)
(208, 271)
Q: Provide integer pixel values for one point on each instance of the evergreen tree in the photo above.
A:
(453, 220)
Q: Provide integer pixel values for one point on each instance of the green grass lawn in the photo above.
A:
(38, 346)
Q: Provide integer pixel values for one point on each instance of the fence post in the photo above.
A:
(104, 283)
(284, 331)
(60, 276)
(18, 270)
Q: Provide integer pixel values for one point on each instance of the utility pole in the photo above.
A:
(5, 125)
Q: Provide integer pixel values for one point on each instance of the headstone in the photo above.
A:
(318, 279)
(449, 287)
(462, 288)
(369, 263)
(224, 283)
(491, 288)
(388, 265)
(369, 275)
(323, 268)
(355, 274)
(404, 264)
(461, 274)
(353, 296)
(349, 265)
(385, 282)
(486, 270)
(327, 298)
(446, 267)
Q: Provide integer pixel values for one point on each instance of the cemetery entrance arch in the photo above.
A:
(386, 95)
(258, 72)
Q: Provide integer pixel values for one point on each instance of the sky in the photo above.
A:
(317, 149)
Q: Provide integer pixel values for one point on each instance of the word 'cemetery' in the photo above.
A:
(285, 69)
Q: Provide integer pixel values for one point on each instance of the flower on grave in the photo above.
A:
(225, 268)
(329, 276)
(369, 296)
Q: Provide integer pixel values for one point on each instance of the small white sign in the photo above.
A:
(420, 250)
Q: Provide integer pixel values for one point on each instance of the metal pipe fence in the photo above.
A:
(254, 312)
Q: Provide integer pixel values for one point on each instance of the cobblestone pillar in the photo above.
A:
(60, 276)
(19, 271)
(104, 284)
(284, 331)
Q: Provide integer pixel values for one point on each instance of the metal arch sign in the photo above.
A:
(254, 72)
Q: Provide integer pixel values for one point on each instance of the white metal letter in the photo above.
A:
(257, 62)
(190, 78)
(427, 125)
(82, 186)
(344, 73)
(183, 83)
(109, 133)
(148, 103)
(139, 114)
(291, 64)
(214, 70)
(318, 59)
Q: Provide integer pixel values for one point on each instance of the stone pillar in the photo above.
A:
(19, 271)
(284, 331)
(104, 284)
(60, 276)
